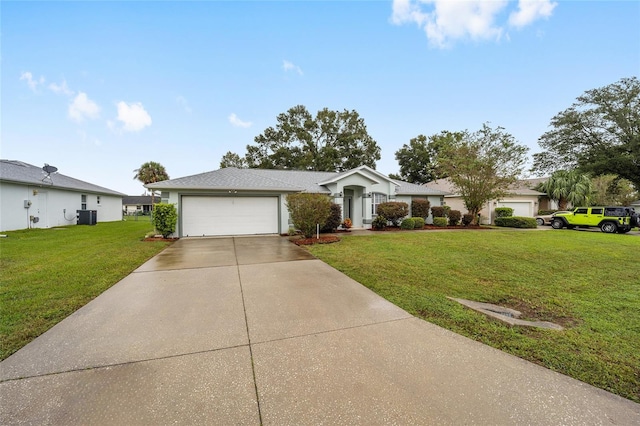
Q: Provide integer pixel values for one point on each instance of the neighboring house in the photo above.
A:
(32, 198)
(233, 201)
(520, 197)
(138, 204)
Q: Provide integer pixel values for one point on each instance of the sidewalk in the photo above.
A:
(256, 331)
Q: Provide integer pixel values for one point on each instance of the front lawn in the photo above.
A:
(47, 274)
(589, 282)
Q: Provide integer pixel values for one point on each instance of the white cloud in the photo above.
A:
(447, 21)
(235, 121)
(184, 104)
(134, 116)
(290, 66)
(61, 89)
(33, 84)
(82, 107)
(531, 10)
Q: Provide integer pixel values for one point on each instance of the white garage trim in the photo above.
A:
(210, 215)
(520, 208)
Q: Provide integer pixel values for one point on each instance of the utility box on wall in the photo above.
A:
(87, 217)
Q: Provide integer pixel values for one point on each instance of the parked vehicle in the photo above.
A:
(546, 219)
(608, 219)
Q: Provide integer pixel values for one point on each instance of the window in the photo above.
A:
(580, 211)
(377, 198)
(596, 211)
(83, 202)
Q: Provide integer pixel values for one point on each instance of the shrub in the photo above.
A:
(454, 217)
(504, 212)
(407, 223)
(334, 220)
(308, 210)
(516, 222)
(467, 219)
(164, 218)
(440, 221)
(420, 208)
(418, 222)
(380, 222)
(437, 211)
(447, 209)
(546, 212)
(393, 211)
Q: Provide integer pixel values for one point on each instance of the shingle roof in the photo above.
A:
(139, 200)
(21, 172)
(231, 178)
(519, 188)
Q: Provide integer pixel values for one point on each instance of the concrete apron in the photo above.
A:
(255, 330)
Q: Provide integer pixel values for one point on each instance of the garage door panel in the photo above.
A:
(522, 208)
(208, 216)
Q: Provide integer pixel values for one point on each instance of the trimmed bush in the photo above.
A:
(467, 219)
(420, 208)
(438, 211)
(546, 212)
(418, 222)
(516, 222)
(504, 212)
(164, 219)
(454, 217)
(393, 211)
(407, 223)
(334, 220)
(440, 221)
(308, 210)
(380, 222)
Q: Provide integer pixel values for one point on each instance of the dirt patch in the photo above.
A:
(324, 239)
(538, 313)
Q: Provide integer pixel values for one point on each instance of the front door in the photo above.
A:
(346, 208)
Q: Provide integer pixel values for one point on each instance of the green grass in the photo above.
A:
(588, 282)
(47, 274)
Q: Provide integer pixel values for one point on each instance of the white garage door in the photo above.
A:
(202, 216)
(520, 208)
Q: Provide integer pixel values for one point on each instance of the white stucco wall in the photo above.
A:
(52, 206)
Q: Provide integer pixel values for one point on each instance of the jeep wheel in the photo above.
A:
(540, 221)
(557, 224)
(609, 227)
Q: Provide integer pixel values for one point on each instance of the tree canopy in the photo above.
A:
(151, 172)
(419, 160)
(568, 187)
(482, 165)
(598, 134)
(330, 141)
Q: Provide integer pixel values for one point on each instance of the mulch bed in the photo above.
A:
(160, 239)
(324, 239)
(431, 227)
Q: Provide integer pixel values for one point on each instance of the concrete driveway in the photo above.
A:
(255, 330)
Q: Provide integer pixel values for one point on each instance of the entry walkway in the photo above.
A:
(255, 330)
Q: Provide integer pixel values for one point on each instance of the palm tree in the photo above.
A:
(568, 187)
(151, 172)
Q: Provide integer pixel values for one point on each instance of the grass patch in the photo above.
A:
(47, 274)
(586, 281)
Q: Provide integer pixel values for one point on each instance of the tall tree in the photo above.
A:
(599, 134)
(482, 165)
(419, 160)
(231, 159)
(568, 187)
(151, 172)
(612, 190)
(330, 141)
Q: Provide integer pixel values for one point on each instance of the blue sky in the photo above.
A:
(98, 88)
